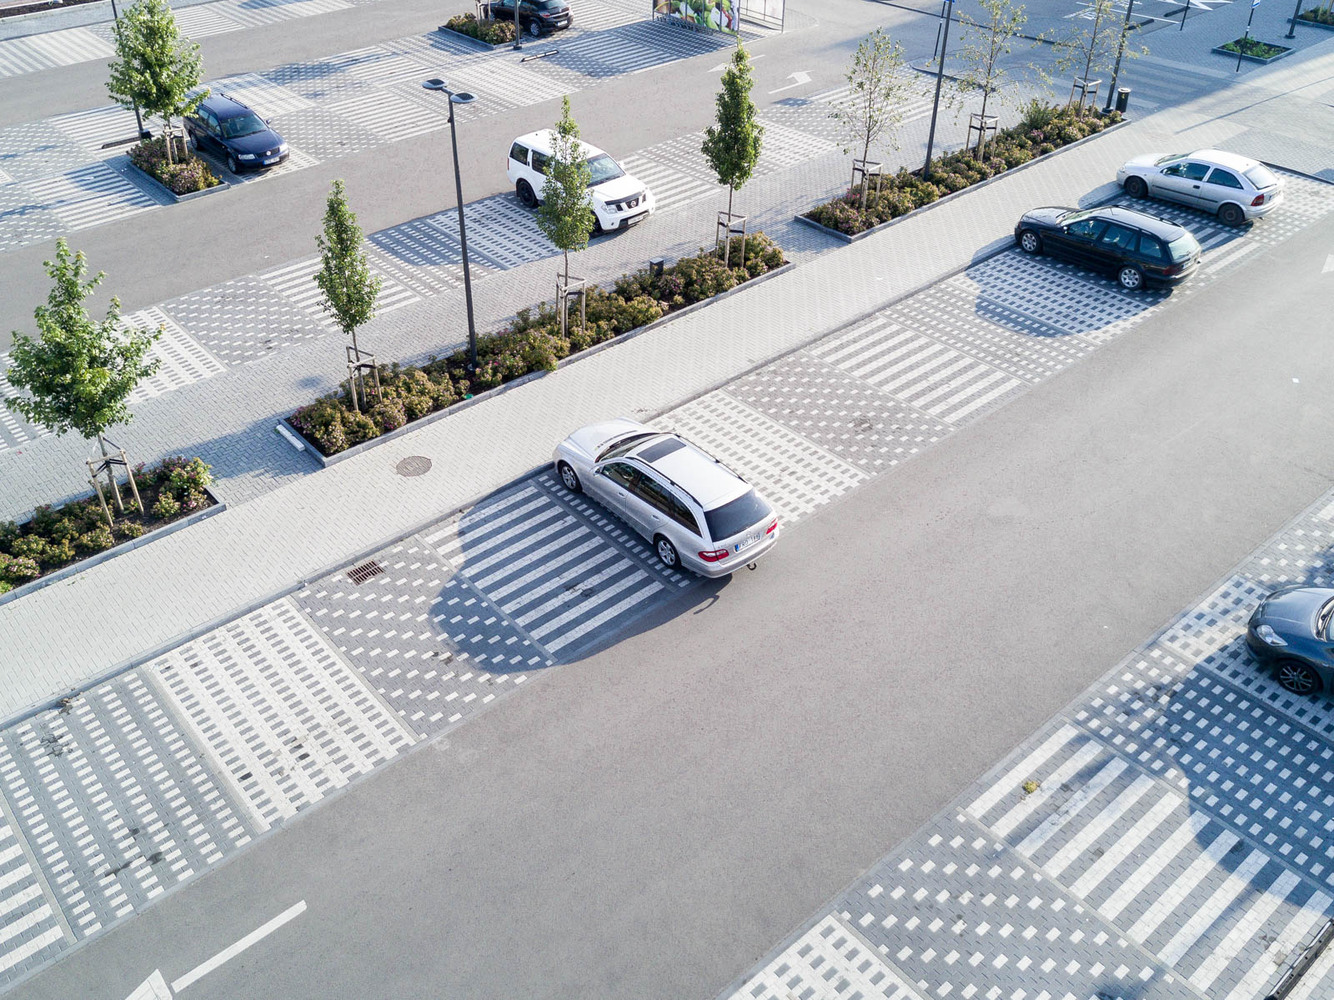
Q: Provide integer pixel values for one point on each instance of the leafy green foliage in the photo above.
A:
(492, 32)
(1042, 130)
(985, 42)
(565, 215)
(1248, 46)
(154, 66)
(350, 290)
(532, 342)
(78, 373)
(181, 176)
(732, 144)
(1318, 15)
(56, 536)
(872, 111)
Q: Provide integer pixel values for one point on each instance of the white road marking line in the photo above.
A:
(1157, 861)
(1245, 930)
(1274, 956)
(1213, 909)
(1071, 808)
(1050, 784)
(227, 954)
(1086, 837)
(1001, 788)
(152, 988)
(1184, 884)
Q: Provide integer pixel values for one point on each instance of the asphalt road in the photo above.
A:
(152, 257)
(648, 822)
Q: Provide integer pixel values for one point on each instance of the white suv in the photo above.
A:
(619, 199)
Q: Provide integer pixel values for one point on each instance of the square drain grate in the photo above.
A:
(360, 574)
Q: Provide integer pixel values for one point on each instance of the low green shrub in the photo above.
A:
(57, 536)
(1248, 46)
(532, 342)
(1042, 129)
(186, 175)
(1319, 15)
(491, 32)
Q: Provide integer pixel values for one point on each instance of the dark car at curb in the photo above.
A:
(1139, 249)
(537, 17)
(233, 131)
(1289, 631)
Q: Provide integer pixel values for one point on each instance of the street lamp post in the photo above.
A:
(460, 98)
(1292, 27)
(940, 79)
(1120, 49)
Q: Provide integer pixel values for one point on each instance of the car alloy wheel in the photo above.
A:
(1231, 215)
(1136, 188)
(666, 552)
(232, 165)
(525, 193)
(1029, 241)
(569, 478)
(535, 28)
(1131, 278)
(1297, 677)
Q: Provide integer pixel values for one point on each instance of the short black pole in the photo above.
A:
(463, 240)
(1111, 91)
(518, 8)
(1292, 28)
(115, 16)
(1241, 44)
(1184, 11)
(940, 79)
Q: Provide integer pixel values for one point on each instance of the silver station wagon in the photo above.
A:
(697, 512)
(1235, 188)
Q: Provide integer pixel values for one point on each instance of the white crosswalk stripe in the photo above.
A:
(296, 282)
(285, 720)
(30, 53)
(1245, 929)
(670, 187)
(1215, 906)
(89, 196)
(1091, 833)
(1303, 923)
(391, 117)
(1125, 845)
(559, 568)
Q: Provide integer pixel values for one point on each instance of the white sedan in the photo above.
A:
(1234, 188)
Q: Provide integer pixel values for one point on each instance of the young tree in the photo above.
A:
(872, 111)
(155, 67)
(732, 144)
(565, 215)
(985, 42)
(78, 373)
(1089, 46)
(350, 290)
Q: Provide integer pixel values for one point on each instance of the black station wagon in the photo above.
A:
(225, 127)
(1136, 247)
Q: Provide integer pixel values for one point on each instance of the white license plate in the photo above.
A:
(271, 160)
(747, 542)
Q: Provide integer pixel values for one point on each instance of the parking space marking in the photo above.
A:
(390, 117)
(381, 66)
(203, 20)
(89, 196)
(267, 98)
(31, 931)
(506, 232)
(90, 129)
(283, 718)
(30, 53)
(183, 359)
(670, 187)
(795, 475)
(246, 318)
(501, 79)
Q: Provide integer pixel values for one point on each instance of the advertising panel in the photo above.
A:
(717, 15)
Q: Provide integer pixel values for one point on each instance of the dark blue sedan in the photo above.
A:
(225, 127)
(1290, 631)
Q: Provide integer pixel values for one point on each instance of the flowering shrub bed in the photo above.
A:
(58, 536)
(491, 32)
(531, 342)
(1042, 130)
(188, 174)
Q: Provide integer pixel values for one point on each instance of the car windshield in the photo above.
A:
(622, 445)
(603, 168)
(1167, 159)
(1261, 176)
(1076, 216)
(735, 517)
(234, 128)
(1183, 247)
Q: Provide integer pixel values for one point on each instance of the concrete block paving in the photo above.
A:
(114, 800)
(244, 319)
(283, 719)
(32, 932)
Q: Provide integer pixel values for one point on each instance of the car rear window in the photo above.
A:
(1261, 176)
(738, 515)
(1183, 247)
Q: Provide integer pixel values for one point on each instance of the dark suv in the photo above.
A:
(537, 17)
(224, 126)
(1137, 248)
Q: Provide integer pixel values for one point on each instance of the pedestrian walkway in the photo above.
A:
(182, 584)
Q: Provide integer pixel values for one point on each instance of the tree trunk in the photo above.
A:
(727, 236)
(982, 132)
(111, 475)
(167, 136)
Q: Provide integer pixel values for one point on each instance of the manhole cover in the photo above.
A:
(413, 465)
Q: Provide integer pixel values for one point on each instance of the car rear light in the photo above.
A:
(714, 555)
(1259, 200)
(772, 528)
(1174, 269)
